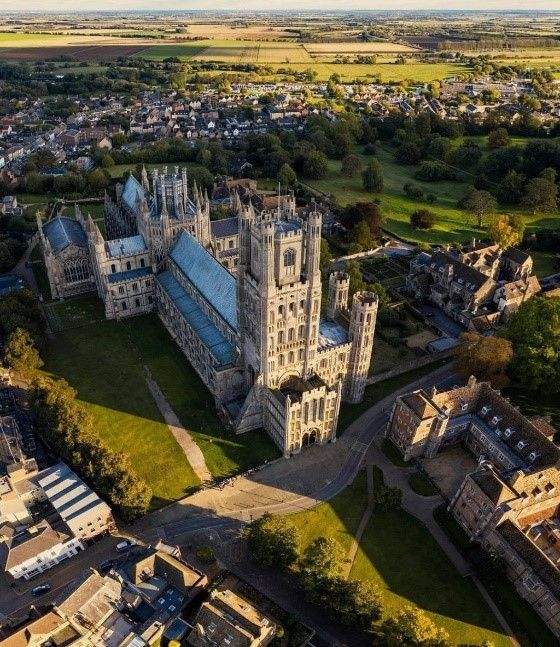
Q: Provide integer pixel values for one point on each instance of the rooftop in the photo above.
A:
(208, 276)
(218, 346)
(331, 334)
(62, 232)
(128, 275)
(225, 227)
(125, 246)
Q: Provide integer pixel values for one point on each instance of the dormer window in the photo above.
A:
(508, 432)
(464, 406)
(485, 410)
(533, 456)
(521, 444)
(495, 420)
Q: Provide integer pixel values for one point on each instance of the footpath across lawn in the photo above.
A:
(104, 361)
(398, 553)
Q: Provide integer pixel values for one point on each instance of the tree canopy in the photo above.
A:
(273, 540)
(487, 358)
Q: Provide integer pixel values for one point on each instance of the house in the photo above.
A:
(228, 619)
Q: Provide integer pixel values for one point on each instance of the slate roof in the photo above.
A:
(218, 346)
(126, 246)
(419, 403)
(532, 555)
(132, 192)
(62, 232)
(494, 488)
(331, 334)
(25, 545)
(208, 276)
(128, 275)
(225, 227)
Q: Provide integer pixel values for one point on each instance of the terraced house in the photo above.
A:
(510, 504)
(256, 337)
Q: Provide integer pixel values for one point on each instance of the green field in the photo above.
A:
(104, 361)
(117, 171)
(453, 225)
(402, 558)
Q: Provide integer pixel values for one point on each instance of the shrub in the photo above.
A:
(422, 218)
(205, 554)
(413, 191)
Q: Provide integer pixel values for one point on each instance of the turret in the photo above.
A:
(339, 284)
(363, 317)
(313, 271)
(145, 182)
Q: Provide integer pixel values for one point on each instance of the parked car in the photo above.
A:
(41, 589)
(107, 565)
(125, 545)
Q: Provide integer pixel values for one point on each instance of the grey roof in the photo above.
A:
(62, 232)
(132, 192)
(126, 246)
(68, 494)
(225, 227)
(284, 226)
(331, 334)
(208, 276)
(128, 275)
(218, 346)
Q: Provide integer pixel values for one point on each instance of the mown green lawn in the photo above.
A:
(104, 361)
(402, 558)
(119, 170)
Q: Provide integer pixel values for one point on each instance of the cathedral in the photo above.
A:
(240, 296)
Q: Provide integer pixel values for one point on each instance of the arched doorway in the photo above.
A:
(309, 438)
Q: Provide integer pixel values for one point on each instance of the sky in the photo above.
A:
(101, 5)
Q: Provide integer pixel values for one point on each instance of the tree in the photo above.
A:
(362, 236)
(351, 165)
(487, 358)
(20, 353)
(316, 165)
(273, 540)
(287, 176)
(413, 191)
(534, 331)
(498, 138)
(372, 177)
(322, 560)
(411, 627)
(408, 153)
(369, 212)
(325, 256)
(422, 218)
(107, 161)
(540, 193)
(357, 283)
(506, 231)
(482, 203)
(354, 602)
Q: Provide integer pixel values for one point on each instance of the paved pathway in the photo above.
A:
(181, 435)
(363, 523)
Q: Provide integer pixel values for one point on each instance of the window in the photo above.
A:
(76, 269)
(289, 258)
(135, 287)
(142, 263)
(150, 300)
(123, 305)
(121, 289)
(281, 310)
(291, 334)
(137, 302)
(128, 266)
(281, 337)
(113, 268)
(230, 244)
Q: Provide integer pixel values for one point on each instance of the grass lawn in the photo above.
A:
(104, 361)
(421, 484)
(399, 555)
(40, 273)
(119, 170)
(376, 392)
(535, 404)
(545, 263)
(453, 225)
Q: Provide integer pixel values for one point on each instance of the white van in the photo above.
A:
(125, 545)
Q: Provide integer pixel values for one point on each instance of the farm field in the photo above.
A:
(389, 556)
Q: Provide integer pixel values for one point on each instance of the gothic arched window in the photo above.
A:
(76, 269)
(290, 260)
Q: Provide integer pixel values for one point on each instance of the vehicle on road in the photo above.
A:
(107, 565)
(125, 545)
(41, 589)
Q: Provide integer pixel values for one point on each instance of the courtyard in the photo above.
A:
(106, 361)
(449, 468)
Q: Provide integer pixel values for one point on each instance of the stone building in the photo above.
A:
(256, 338)
(478, 287)
(510, 504)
